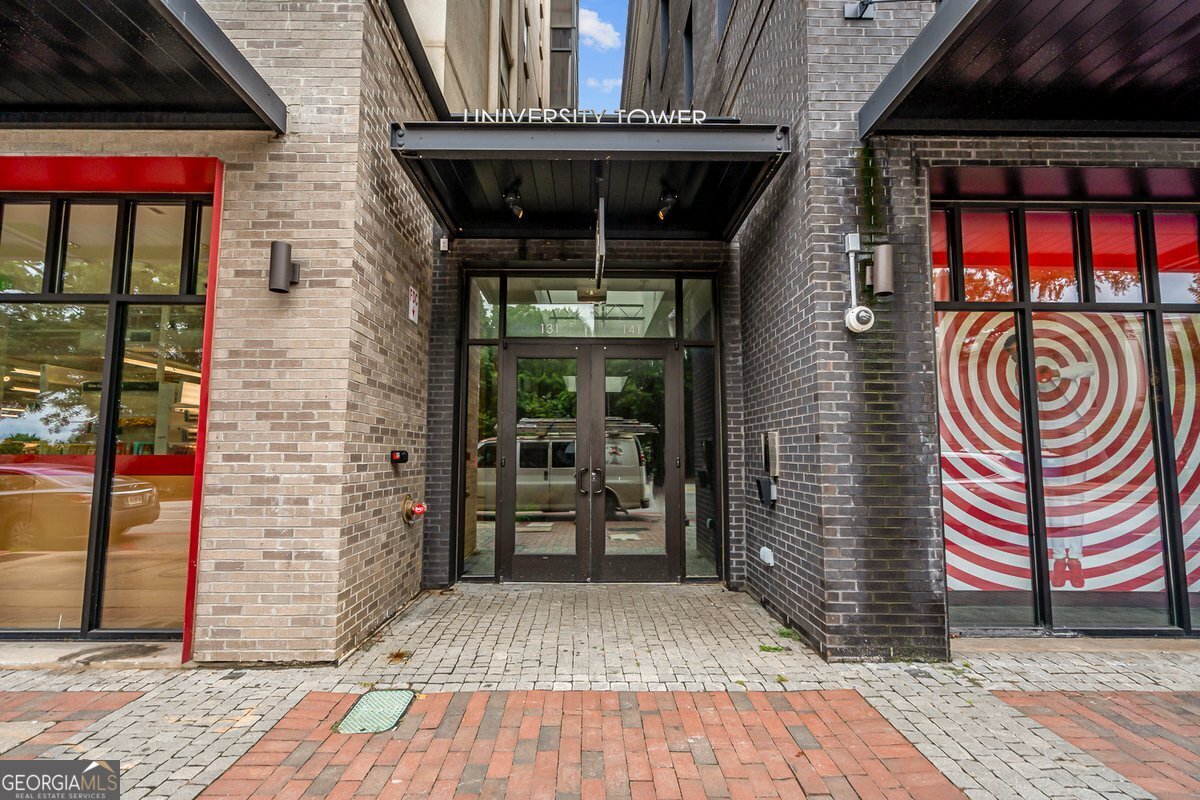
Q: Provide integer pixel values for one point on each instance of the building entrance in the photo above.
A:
(589, 464)
(591, 430)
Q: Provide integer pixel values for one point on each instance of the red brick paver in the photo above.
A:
(592, 745)
(1152, 738)
(69, 711)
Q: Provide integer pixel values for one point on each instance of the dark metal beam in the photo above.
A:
(130, 120)
(446, 159)
(580, 141)
(1039, 127)
(416, 51)
(221, 56)
(951, 19)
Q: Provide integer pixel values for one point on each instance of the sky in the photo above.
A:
(601, 52)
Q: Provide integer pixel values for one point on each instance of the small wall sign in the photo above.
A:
(414, 303)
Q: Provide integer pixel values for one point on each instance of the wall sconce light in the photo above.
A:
(880, 275)
(666, 201)
(284, 273)
(512, 199)
(860, 318)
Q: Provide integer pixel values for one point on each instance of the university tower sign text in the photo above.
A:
(621, 115)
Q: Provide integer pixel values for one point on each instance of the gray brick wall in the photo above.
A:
(381, 555)
(300, 549)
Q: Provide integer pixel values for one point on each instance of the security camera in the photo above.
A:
(860, 319)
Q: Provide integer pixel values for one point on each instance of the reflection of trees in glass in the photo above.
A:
(1051, 284)
(987, 284)
(641, 400)
(21, 275)
(67, 337)
(529, 320)
(67, 412)
(489, 319)
(1118, 283)
(15, 444)
(23, 246)
(154, 277)
(487, 393)
(541, 391)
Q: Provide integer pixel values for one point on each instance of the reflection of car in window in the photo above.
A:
(546, 479)
(48, 506)
(486, 458)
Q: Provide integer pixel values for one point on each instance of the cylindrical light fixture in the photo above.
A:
(284, 272)
(883, 271)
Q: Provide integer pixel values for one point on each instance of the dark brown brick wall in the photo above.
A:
(857, 531)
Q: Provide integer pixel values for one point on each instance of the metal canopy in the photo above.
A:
(560, 170)
(120, 64)
(1046, 67)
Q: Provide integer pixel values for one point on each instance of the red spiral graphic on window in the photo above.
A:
(983, 469)
(1183, 348)
(1104, 530)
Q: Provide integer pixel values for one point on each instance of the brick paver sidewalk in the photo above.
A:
(592, 745)
(45, 719)
(1152, 738)
(633, 690)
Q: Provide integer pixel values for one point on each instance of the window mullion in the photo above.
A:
(122, 249)
(188, 265)
(954, 252)
(1084, 268)
(56, 247)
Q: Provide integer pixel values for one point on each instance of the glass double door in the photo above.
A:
(589, 467)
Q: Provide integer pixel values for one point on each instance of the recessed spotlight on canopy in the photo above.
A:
(512, 199)
(666, 201)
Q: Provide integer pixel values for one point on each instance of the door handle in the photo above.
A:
(598, 473)
(579, 480)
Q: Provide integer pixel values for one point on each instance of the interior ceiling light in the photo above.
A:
(512, 199)
(666, 201)
(166, 367)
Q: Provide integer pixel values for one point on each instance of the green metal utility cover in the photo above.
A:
(376, 711)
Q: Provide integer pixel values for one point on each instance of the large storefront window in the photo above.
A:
(99, 410)
(983, 470)
(1183, 391)
(53, 360)
(1103, 528)
(1066, 522)
(150, 507)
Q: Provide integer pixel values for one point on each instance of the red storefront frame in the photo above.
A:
(143, 175)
